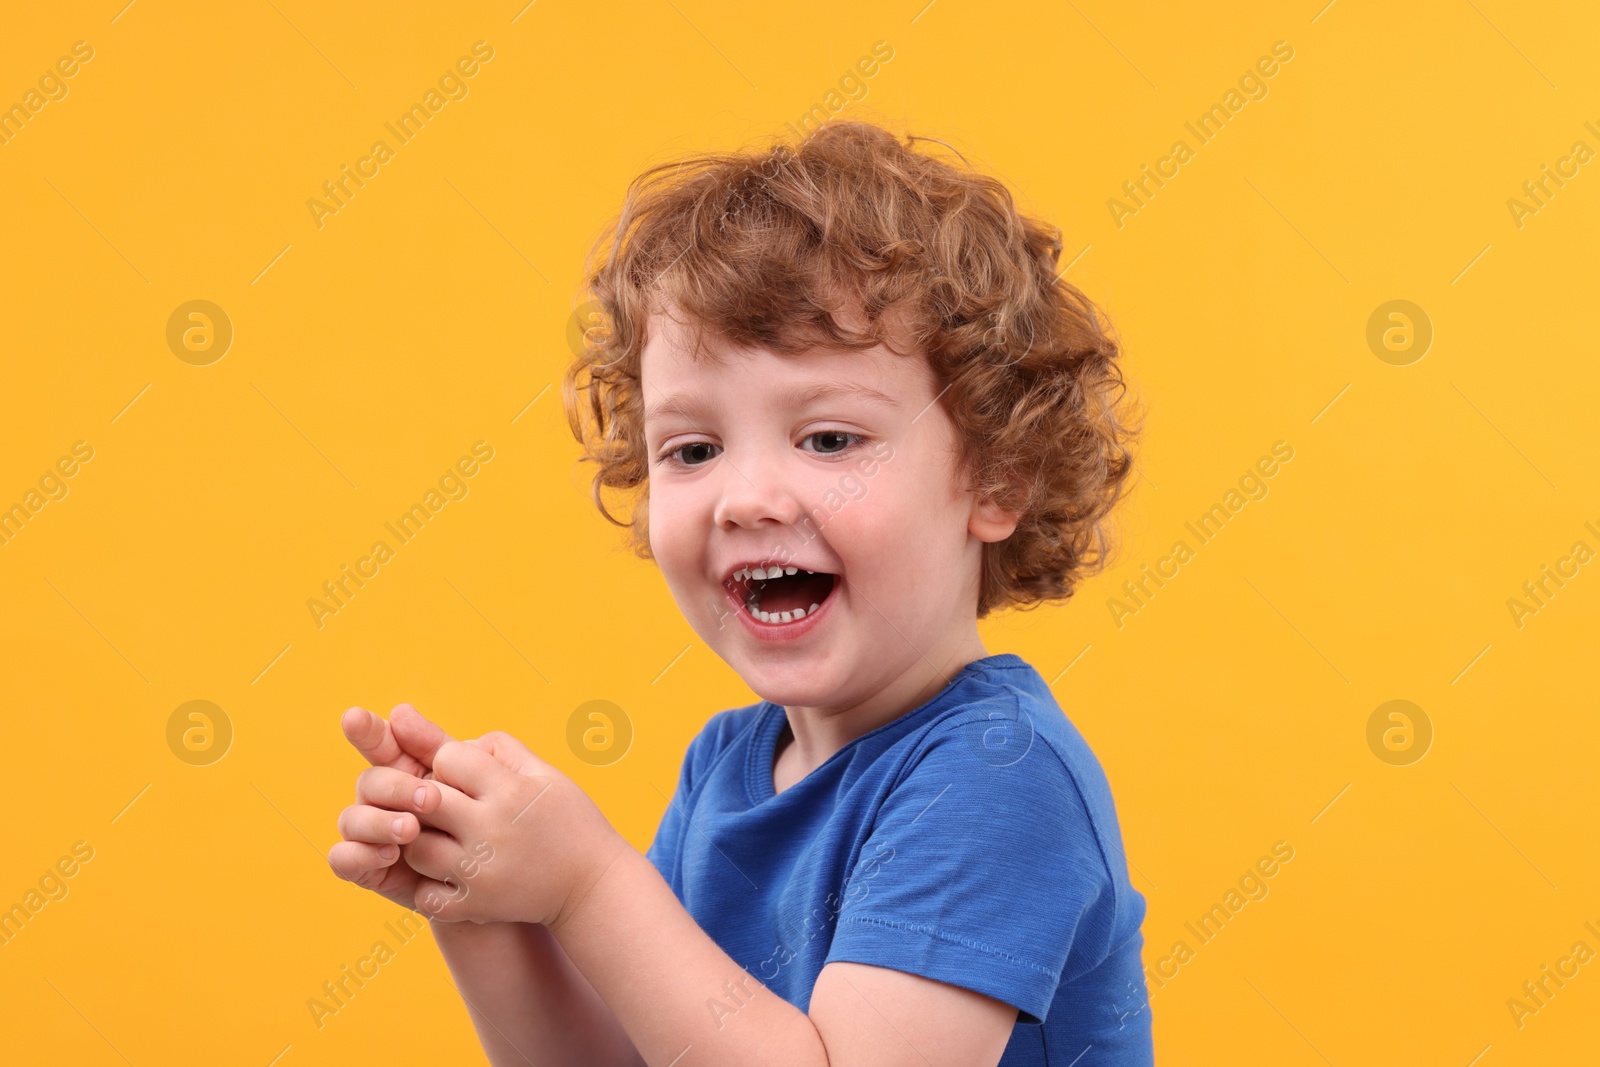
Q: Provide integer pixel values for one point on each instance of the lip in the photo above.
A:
(777, 632)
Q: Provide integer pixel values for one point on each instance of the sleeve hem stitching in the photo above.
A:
(937, 934)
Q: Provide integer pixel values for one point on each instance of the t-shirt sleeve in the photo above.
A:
(983, 868)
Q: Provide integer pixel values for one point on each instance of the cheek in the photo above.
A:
(913, 511)
(671, 531)
(905, 501)
(876, 524)
(680, 534)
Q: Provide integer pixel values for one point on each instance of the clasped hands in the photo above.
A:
(480, 831)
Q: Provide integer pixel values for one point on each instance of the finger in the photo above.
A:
(386, 787)
(362, 863)
(448, 903)
(373, 738)
(363, 822)
(469, 768)
(434, 854)
(416, 734)
(455, 812)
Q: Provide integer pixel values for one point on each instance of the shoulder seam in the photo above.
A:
(1016, 696)
(1077, 787)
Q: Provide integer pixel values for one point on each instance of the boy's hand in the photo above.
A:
(521, 842)
(405, 741)
(402, 745)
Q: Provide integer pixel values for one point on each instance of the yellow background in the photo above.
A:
(369, 354)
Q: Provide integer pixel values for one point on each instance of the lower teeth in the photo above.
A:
(781, 616)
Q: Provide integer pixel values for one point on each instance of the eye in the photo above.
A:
(839, 441)
(675, 458)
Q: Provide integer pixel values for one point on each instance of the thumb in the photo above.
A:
(418, 736)
(467, 769)
(512, 753)
(373, 738)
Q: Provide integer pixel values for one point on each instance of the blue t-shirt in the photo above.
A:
(973, 841)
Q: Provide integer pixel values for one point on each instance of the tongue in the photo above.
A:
(795, 591)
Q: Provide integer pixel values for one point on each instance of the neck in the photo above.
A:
(818, 732)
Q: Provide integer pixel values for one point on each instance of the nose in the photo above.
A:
(756, 488)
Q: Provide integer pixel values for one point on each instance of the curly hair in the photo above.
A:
(758, 246)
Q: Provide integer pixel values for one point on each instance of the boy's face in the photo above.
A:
(848, 485)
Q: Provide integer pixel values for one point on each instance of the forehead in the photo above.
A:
(676, 377)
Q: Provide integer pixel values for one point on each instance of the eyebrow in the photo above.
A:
(688, 405)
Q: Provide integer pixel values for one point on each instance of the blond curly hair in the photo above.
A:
(756, 247)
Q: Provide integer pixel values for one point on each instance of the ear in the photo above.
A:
(991, 522)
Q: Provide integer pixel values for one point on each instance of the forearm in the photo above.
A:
(527, 1001)
(662, 976)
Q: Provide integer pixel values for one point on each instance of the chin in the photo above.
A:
(796, 686)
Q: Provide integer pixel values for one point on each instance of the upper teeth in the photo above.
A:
(762, 574)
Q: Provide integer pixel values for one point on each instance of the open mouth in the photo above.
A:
(781, 594)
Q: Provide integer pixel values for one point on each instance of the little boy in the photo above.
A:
(905, 853)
